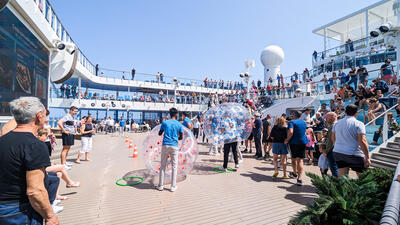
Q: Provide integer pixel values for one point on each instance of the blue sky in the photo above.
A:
(197, 39)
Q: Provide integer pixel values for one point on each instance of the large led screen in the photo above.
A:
(24, 62)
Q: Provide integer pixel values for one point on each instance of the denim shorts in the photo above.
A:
(279, 149)
(19, 213)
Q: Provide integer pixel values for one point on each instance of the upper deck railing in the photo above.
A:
(355, 48)
(48, 12)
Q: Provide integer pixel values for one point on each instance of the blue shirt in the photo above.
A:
(186, 122)
(171, 129)
(122, 123)
(299, 131)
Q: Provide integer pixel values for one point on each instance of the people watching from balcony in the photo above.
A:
(381, 48)
(387, 72)
(349, 45)
(375, 109)
(68, 91)
(333, 82)
(372, 50)
(353, 77)
(315, 55)
(73, 91)
(363, 75)
(326, 84)
(133, 73)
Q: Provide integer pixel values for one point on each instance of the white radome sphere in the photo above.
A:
(272, 56)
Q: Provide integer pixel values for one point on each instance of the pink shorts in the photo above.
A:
(388, 77)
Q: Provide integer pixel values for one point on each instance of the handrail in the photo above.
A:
(391, 210)
(380, 115)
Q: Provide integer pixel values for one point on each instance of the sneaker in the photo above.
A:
(236, 165)
(245, 151)
(67, 167)
(240, 161)
(259, 158)
(285, 177)
(374, 143)
(160, 188)
(174, 188)
(68, 164)
(292, 175)
(56, 202)
(57, 209)
(299, 182)
(275, 174)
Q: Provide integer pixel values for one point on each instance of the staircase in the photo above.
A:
(387, 155)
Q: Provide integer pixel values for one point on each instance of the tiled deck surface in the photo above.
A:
(248, 196)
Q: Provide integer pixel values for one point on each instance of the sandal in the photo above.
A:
(74, 185)
(78, 161)
(62, 198)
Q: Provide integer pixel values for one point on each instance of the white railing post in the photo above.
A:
(385, 128)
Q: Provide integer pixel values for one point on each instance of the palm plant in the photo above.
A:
(347, 201)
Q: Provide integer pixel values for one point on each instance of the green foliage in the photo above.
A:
(347, 201)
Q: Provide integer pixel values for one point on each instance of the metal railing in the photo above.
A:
(391, 212)
(360, 45)
(385, 126)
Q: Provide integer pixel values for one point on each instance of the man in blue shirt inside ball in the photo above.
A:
(173, 131)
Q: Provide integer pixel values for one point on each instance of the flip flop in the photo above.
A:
(74, 185)
(62, 198)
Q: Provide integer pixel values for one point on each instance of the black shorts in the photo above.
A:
(67, 139)
(356, 163)
(250, 137)
(265, 139)
(298, 151)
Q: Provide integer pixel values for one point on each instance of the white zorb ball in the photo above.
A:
(187, 153)
(227, 123)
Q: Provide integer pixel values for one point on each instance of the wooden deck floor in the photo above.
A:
(248, 196)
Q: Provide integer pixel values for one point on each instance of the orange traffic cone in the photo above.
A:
(130, 149)
(126, 140)
(135, 153)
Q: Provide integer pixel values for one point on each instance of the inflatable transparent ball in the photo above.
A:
(227, 123)
(187, 153)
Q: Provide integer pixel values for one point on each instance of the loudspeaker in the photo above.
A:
(3, 4)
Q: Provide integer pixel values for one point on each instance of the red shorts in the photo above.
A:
(388, 77)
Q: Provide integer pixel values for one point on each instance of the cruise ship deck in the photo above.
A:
(248, 196)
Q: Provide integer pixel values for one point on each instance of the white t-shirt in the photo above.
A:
(306, 117)
(196, 125)
(69, 123)
(346, 134)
